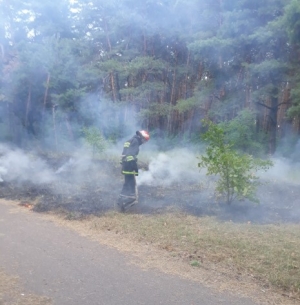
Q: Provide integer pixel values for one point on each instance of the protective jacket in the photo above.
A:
(129, 156)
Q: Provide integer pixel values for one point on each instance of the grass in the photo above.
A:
(11, 293)
(270, 254)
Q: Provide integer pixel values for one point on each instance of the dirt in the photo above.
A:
(63, 264)
(95, 189)
(11, 292)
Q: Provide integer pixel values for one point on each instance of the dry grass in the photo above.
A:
(269, 254)
(256, 261)
(11, 293)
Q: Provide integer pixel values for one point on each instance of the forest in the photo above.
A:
(70, 67)
(217, 85)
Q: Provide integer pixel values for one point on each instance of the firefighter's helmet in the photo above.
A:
(144, 134)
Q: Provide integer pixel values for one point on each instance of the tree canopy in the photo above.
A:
(161, 65)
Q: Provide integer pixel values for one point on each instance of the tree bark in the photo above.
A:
(2, 51)
(54, 125)
(107, 36)
(46, 92)
(69, 128)
(273, 125)
(28, 105)
(113, 85)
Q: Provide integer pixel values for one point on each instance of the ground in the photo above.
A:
(94, 189)
(77, 191)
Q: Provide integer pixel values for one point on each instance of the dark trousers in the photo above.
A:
(129, 191)
(129, 185)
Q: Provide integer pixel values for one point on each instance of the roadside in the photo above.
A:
(178, 229)
(57, 263)
(222, 256)
(11, 292)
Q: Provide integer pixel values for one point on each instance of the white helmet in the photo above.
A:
(144, 134)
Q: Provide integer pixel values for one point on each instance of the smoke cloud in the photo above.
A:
(19, 166)
(15, 165)
(171, 167)
(283, 170)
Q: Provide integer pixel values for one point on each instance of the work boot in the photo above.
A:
(129, 204)
(126, 201)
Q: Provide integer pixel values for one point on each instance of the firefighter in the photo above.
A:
(128, 196)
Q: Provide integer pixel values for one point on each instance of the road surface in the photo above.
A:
(70, 269)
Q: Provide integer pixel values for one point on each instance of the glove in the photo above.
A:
(122, 159)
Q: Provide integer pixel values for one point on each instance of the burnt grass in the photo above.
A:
(94, 190)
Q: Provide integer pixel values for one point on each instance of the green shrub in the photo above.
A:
(242, 133)
(95, 139)
(237, 179)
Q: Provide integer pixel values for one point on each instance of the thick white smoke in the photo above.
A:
(180, 165)
(171, 167)
(15, 165)
(20, 166)
(283, 170)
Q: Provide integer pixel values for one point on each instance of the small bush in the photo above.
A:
(95, 139)
(236, 171)
(242, 133)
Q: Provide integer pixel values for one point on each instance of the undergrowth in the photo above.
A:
(268, 253)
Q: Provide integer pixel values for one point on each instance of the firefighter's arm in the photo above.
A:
(135, 147)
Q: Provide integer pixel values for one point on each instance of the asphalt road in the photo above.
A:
(58, 263)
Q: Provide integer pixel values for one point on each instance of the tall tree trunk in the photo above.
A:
(69, 128)
(12, 123)
(173, 90)
(282, 119)
(113, 85)
(191, 119)
(144, 44)
(54, 125)
(111, 74)
(200, 71)
(172, 99)
(187, 76)
(296, 125)
(46, 92)
(273, 124)
(248, 98)
(272, 108)
(28, 103)
(107, 36)
(2, 51)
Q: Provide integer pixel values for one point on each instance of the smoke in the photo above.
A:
(180, 166)
(111, 118)
(15, 165)
(79, 163)
(295, 155)
(19, 166)
(165, 169)
(82, 183)
(283, 170)
(66, 166)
